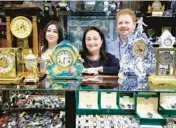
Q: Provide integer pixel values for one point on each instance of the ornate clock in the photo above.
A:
(140, 48)
(156, 8)
(11, 65)
(65, 62)
(21, 27)
(156, 5)
(166, 40)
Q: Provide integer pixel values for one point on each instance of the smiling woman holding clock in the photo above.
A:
(96, 60)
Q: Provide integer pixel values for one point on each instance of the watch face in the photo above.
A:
(165, 58)
(140, 48)
(64, 58)
(168, 42)
(156, 5)
(6, 63)
(21, 27)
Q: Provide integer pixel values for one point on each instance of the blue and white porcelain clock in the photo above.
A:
(137, 62)
(65, 62)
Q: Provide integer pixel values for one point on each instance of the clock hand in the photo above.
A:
(140, 50)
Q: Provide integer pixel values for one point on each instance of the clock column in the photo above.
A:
(8, 35)
(35, 36)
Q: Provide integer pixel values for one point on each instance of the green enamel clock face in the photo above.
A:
(165, 58)
(6, 63)
(64, 58)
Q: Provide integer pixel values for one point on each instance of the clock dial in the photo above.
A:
(21, 27)
(168, 42)
(156, 5)
(64, 58)
(6, 63)
(165, 58)
(140, 48)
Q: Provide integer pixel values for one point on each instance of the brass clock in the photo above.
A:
(21, 27)
(165, 58)
(11, 65)
(6, 63)
(140, 48)
(156, 5)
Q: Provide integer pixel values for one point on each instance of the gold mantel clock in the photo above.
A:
(11, 65)
(21, 27)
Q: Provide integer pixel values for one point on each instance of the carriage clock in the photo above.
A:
(11, 65)
(164, 77)
(65, 62)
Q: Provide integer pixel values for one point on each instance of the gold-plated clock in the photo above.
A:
(140, 48)
(21, 27)
(156, 5)
(6, 63)
(11, 65)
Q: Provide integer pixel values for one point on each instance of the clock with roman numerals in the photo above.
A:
(65, 62)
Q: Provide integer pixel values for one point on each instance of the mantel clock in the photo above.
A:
(65, 62)
(11, 65)
(156, 8)
(164, 77)
(21, 22)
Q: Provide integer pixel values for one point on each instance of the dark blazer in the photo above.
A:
(110, 64)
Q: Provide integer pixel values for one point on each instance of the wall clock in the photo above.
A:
(140, 48)
(21, 27)
(11, 65)
(65, 62)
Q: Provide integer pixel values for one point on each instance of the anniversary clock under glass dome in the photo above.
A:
(164, 77)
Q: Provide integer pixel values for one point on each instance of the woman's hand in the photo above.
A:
(90, 71)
